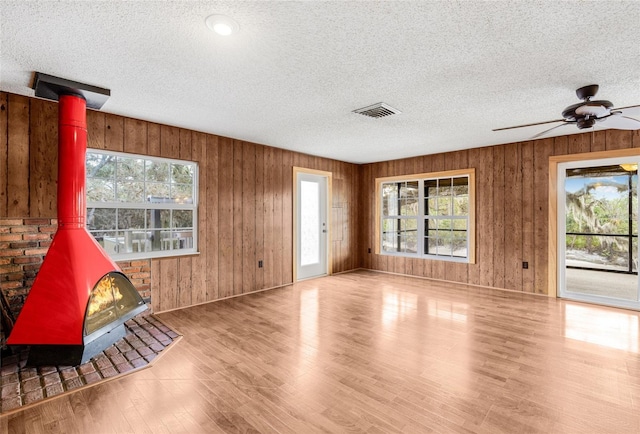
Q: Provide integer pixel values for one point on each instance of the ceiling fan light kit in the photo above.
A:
(585, 114)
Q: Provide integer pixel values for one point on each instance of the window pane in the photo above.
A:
(182, 193)
(101, 219)
(460, 186)
(181, 237)
(601, 252)
(100, 166)
(158, 218)
(390, 242)
(409, 195)
(113, 242)
(597, 200)
(431, 188)
(182, 173)
(130, 169)
(445, 246)
(444, 224)
(310, 222)
(389, 225)
(459, 224)
(182, 219)
(634, 204)
(431, 242)
(137, 240)
(409, 225)
(430, 224)
(461, 206)
(401, 198)
(100, 190)
(390, 235)
(409, 242)
(445, 205)
(155, 219)
(389, 199)
(158, 193)
(634, 254)
(157, 172)
(444, 187)
(130, 191)
(432, 206)
(409, 235)
(460, 244)
(131, 218)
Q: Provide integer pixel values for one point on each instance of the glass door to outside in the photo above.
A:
(598, 231)
(312, 225)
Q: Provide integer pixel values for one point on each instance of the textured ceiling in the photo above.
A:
(293, 74)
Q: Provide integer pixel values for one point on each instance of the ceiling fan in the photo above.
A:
(585, 114)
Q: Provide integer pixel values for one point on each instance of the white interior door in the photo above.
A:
(312, 225)
(598, 231)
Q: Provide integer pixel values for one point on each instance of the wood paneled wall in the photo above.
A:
(245, 198)
(511, 209)
(245, 208)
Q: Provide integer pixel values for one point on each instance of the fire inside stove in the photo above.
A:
(112, 298)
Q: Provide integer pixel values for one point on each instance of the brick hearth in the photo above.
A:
(146, 338)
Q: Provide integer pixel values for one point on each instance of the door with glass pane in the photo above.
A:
(311, 225)
(598, 231)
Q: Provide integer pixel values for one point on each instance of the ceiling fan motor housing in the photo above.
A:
(586, 112)
(587, 92)
(586, 123)
(587, 109)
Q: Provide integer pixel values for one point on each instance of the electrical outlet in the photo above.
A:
(525, 265)
(260, 263)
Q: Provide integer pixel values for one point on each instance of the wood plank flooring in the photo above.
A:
(371, 352)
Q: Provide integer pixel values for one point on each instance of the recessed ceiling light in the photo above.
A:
(222, 24)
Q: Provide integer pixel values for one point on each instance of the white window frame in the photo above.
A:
(173, 244)
(421, 217)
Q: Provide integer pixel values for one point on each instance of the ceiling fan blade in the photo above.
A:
(528, 125)
(624, 108)
(619, 122)
(550, 129)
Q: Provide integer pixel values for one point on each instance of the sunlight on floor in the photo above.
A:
(595, 325)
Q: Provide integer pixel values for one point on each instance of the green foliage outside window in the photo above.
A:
(601, 217)
(445, 211)
(139, 204)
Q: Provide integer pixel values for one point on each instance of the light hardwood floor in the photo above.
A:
(373, 352)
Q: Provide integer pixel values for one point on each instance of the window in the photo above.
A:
(141, 207)
(427, 215)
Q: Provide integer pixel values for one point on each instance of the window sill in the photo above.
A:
(162, 254)
(428, 257)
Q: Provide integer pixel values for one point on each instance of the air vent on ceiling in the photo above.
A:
(378, 110)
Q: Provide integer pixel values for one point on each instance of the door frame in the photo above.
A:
(554, 161)
(328, 176)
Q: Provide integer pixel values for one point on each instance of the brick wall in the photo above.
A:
(23, 245)
(139, 272)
